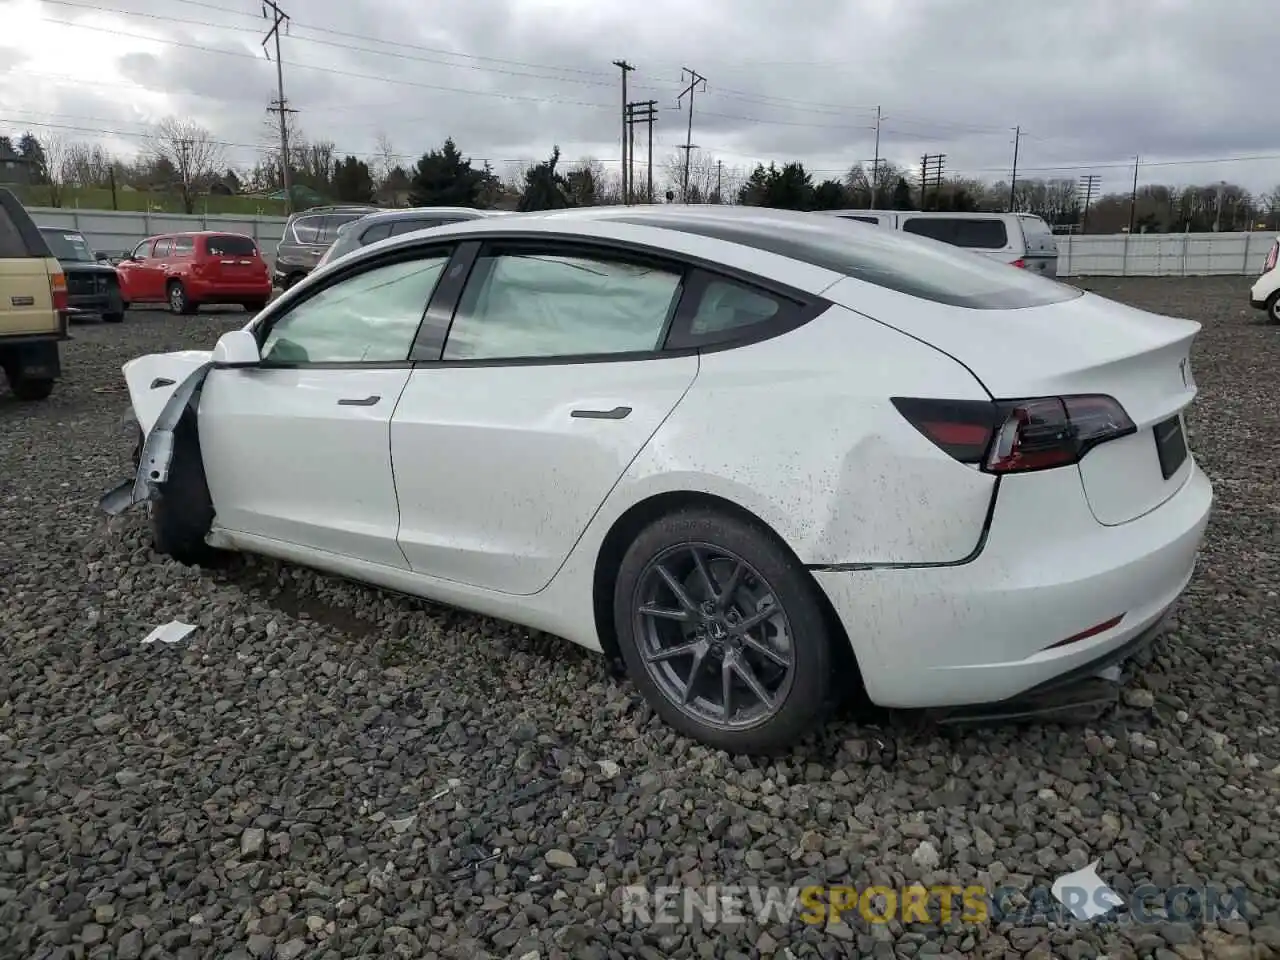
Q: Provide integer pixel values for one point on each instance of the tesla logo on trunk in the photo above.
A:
(1182, 368)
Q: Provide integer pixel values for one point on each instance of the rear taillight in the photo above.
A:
(1020, 264)
(58, 290)
(1020, 435)
(1272, 257)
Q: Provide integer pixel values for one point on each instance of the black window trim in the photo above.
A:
(429, 341)
(261, 330)
(676, 340)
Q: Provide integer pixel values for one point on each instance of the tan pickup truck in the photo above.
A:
(33, 304)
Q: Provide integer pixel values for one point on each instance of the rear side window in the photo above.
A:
(408, 226)
(960, 232)
(19, 236)
(224, 245)
(886, 258)
(727, 306)
(184, 246)
(164, 247)
(308, 229)
(379, 231)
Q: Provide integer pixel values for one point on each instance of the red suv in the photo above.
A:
(188, 270)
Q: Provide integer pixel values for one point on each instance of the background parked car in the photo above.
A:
(307, 236)
(1265, 294)
(1021, 239)
(391, 223)
(188, 270)
(33, 304)
(92, 284)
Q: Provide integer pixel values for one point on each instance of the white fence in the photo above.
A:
(1089, 255)
(115, 230)
(1163, 254)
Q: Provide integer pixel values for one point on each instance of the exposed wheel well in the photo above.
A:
(628, 526)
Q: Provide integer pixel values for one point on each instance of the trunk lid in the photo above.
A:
(1082, 345)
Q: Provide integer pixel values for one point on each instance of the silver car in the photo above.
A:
(390, 223)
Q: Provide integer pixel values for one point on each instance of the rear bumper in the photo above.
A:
(230, 292)
(985, 631)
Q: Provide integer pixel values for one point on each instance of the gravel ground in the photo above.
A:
(324, 770)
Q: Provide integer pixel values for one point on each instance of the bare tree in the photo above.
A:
(384, 160)
(196, 157)
(56, 149)
(705, 175)
(86, 165)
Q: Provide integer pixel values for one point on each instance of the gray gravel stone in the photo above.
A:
(325, 765)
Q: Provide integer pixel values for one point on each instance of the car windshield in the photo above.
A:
(68, 245)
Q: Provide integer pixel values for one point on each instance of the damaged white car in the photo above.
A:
(761, 459)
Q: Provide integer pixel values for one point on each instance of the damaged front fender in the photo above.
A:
(157, 451)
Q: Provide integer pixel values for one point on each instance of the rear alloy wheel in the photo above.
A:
(1273, 308)
(722, 632)
(255, 306)
(178, 300)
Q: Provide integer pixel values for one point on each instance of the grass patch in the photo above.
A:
(138, 201)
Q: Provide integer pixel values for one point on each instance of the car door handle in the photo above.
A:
(617, 413)
(353, 402)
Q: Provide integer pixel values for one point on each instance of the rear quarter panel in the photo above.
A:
(800, 431)
(26, 303)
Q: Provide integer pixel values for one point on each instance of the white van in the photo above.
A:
(1021, 239)
(1265, 294)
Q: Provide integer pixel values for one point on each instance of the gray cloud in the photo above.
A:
(1092, 83)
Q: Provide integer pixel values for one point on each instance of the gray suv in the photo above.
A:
(391, 223)
(307, 236)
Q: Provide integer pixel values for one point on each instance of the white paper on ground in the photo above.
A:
(171, 632)
(1085, 894)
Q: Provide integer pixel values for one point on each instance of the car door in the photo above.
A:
(156, 270)
(298, 449)
(548, 386)
(133, 272)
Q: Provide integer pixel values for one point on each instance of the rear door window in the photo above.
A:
(223, 245)
(984, 234)
(184, 246)
(164, 247)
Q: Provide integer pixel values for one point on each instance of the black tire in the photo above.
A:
(292, 280)
(803, 699)
(1273, 308)
(179, 302)
(254, 306)
(30, 389)
(113, 317)
(182, 512)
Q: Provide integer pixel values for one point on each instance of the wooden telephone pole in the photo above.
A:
(641, 112)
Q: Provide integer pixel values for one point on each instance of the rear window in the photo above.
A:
(917, 267)
(230, 246)
(960, 231)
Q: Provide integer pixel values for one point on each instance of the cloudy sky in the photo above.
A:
(1091, 82)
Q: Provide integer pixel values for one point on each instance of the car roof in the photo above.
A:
(417, 213)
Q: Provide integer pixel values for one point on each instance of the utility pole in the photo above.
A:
(1217, 207)
(1090, 184)
(695, 78)
(626, 180)
(719, 172)
(280, 106)
(1013, 179)
(875, 164)
(631, 154)
(1133, 197)
(646, 112)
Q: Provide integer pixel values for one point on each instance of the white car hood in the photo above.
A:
(146, 376)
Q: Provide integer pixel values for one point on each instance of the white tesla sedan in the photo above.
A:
(762, 458)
